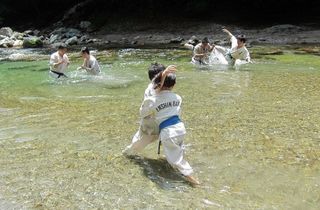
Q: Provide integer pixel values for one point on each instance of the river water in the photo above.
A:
(252, 134)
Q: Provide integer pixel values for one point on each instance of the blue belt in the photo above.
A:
(170, 121)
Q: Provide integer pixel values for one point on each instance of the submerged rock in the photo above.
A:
(32, 42)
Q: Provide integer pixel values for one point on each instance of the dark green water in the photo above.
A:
(253, 135)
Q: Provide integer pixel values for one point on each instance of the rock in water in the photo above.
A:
(32, 42)
(6, 31)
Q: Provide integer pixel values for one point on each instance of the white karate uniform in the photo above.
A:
(235, 53)
(61, 68)
(148, 131)
(163, 106)
(199, 49)
(93, 65)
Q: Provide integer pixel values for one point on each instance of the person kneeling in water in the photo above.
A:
(90, 63)
(165, 107)
(201, 52)
(59, 62)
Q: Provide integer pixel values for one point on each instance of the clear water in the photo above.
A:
(253, 134)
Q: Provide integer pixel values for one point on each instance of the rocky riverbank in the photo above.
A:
(171, 37)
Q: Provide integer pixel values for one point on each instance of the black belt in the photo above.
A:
(230, 56)
(59, 74)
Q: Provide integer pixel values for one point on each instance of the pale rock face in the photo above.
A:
(6, 42)
(72, 41)
(18, 43)
(6, 31)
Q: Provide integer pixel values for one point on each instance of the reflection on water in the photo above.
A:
(253, 135)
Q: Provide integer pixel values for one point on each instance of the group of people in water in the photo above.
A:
(59, 62)
(161, 107)
(205, 53)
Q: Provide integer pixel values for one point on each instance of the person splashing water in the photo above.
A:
(59, 62)
(238, 51)
(90, 63)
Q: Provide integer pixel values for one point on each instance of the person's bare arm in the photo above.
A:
(227, 32)
(170, 69)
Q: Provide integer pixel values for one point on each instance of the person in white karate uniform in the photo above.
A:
(238, 50)
(90, 63)
(59, 62)
(201, 52)
(148, 130)
(165, 107)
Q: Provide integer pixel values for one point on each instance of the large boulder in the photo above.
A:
(6, 42)
(17, 36)
(72, 41)
(32, 42)
(2, 37)
(66, 32)
(18, 43)
(54, 38)
(6, 31)
(72, 32)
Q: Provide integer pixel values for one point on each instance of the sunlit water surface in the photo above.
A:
(252, 135)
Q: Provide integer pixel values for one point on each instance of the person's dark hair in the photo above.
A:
(169, 81)
(154, 69)
(205, 40)
(62, 46)
(85, 50)
(242, 38)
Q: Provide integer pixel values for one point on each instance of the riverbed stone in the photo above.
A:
(6, 42)
(32, 42)
(18, 43)
(72, 32)
(176, 40)
(53, 38)
(72, 41)
(17, 36)
(84, 38)
(2, 37)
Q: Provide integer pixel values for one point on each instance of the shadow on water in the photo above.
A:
(159, 171)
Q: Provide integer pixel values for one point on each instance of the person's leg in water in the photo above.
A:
(139, 141)
(174, 151)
